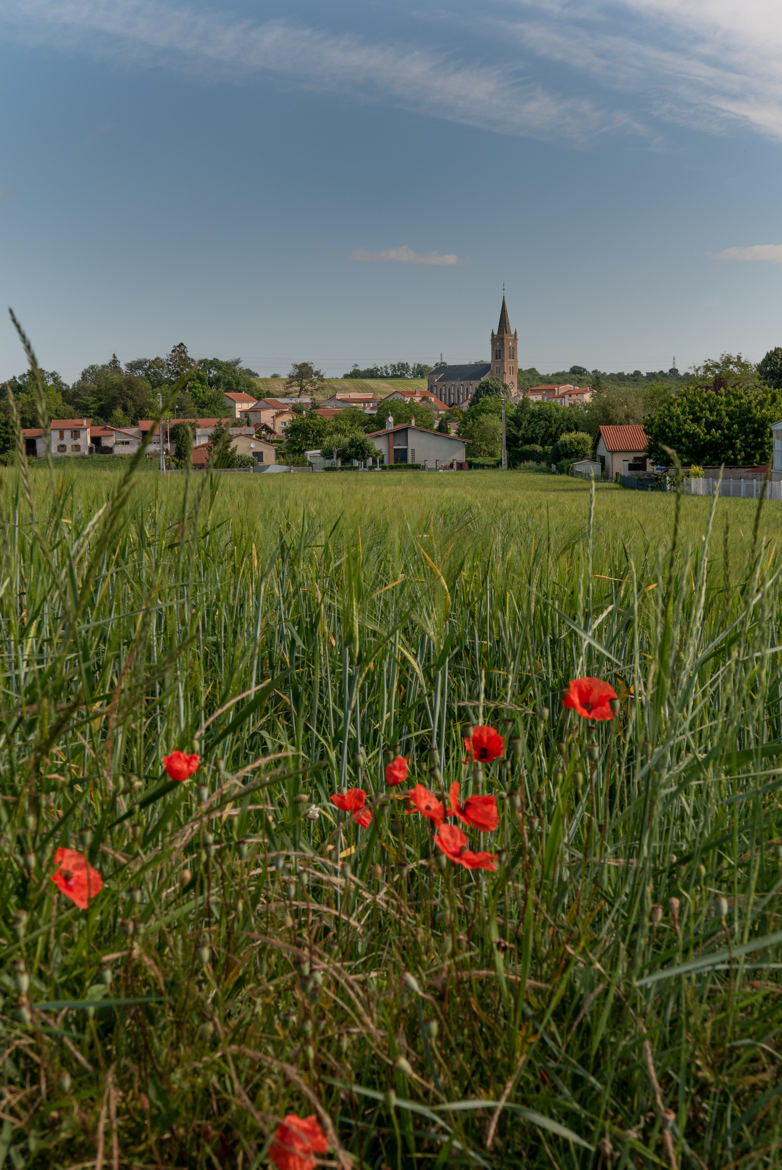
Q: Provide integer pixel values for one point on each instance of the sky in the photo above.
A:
(350, 181)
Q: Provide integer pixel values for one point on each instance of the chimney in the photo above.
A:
(412, 420)
(389, 422)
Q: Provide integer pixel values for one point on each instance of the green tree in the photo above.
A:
(770, 368)
(723, 415)
(490, 388)
(570, 446)
(356, 448)
(304, 379)
(482, 425)
(402, 412)
(306, 432)
(182, 440)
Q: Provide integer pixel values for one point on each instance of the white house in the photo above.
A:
(408, 443)
(776, 431)
(622, 449)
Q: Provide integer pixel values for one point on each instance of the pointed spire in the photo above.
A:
(504, 325)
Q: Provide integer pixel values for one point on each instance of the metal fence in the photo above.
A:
(745, 489)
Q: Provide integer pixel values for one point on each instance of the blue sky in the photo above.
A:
(353, 181)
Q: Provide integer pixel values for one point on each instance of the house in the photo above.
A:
(776, 431)
(238, 401)
(408, 443)
(344, 399)
(562, 393)
(455, 385)
(435, 404)
(622, 450)
(69, 436)
(274, 413)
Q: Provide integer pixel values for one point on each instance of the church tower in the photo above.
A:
(505, 353)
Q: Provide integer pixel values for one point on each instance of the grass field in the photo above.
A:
(275, 387)
(608, 996)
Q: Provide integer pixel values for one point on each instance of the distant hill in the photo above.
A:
(275, 387)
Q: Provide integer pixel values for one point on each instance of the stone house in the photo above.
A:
(622, 450)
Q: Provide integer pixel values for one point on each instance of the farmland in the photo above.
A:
(607, 995)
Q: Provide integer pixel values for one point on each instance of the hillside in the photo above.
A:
(275, 387)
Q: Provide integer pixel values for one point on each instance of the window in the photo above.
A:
(75, 434)
(61, 446)
(62, 434)
(75, 447)
(400, 454)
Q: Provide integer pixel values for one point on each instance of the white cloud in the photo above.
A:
(772, 252)
(406, 255)
(426, 82)
(710, 64)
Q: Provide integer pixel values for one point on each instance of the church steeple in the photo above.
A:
(505, 352)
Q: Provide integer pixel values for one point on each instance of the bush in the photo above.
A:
(571, 446)
(530, 453)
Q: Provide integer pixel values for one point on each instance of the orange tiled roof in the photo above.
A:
(629, 437)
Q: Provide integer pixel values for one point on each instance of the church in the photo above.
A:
(455, 385)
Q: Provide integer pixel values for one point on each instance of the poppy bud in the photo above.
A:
(317, 978)
(21, 978)
(29, 860)
(30, 822)
(309, 1053)
(722, 907)
(105, 975)
(404, 1066)
(20, 922)
(674, 904)
(656, 914)
(441, 861)
(562, 747)
(202, 793)
(65, 1082)
(411, 983)
(23, 1013)
(514, 743)
(307, 1027)
(204, 955)
(301, 798)
(185, 877)
(431, 1027)
(515, 801)
(593, 751)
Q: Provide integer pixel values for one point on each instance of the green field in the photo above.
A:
(275, 387)
(609, 996)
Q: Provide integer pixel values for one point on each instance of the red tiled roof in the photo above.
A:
(630, 437)
(63, 424)
(239, 396)
(101, 432)
(32, 432)
(328, 412)
(411, 426)
(200, 455)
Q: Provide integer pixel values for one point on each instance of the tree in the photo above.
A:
(723, 415)
(489, 388)
(402, 412)
(770, 368)
(482, 425)
(178, 361)
(570, 446)
(356, 448)
(305, 433)
(304, 379)
(182, 438)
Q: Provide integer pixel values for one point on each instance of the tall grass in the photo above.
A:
(609, 997)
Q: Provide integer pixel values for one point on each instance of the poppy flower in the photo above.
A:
(180, 766)
(484, 745)
(396, 771)
(590, 697)
(295, 1142)
(353, 801)
(427, 803)
(453, 842)
(75, 877)
(478, 811)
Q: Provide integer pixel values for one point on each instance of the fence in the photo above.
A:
(637, 484)
(745, 489)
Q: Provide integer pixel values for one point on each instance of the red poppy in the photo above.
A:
(591, 697)
(427, 803)
(75, 877)
(453, 842)
(396, 771)
(478, 811)
(295, 1142)
(180, 766)
(485, 744)
(353, 801)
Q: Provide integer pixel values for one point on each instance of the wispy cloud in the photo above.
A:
(405, 255)
(488, 96)
(710, 64)
(772, 252)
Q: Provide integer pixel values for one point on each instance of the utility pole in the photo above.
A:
(504, 437)
(160, 432)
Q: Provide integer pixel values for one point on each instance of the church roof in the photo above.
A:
(504, 325)
(474, 372)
